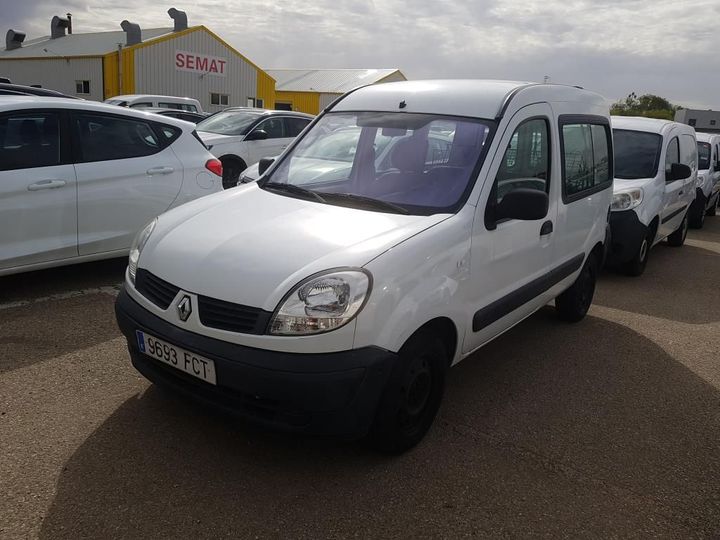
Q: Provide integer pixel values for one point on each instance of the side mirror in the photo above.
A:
(523, 203)
(264, 164)
(678, 171)
(257, 135)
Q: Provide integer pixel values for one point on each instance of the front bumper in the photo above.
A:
(334, 393)
(627, 234)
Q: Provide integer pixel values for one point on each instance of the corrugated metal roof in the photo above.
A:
(336, 81)
(91, 44)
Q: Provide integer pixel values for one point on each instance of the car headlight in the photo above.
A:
(136, 248)
(625, 200)
(322, 303)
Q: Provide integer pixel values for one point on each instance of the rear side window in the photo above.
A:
(107, 137)
(672, 155)
(167, 133)
(29, 140)
(293, 126)
(526, 163)
(586, 156)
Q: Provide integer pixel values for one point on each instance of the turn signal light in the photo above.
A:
(214, 166)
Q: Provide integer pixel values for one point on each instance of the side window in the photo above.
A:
(29, 140)
(526, 163)
(586, 158)
(293, 126)
(672, 155)
(141, 105)
(273, 127)
(110, 137)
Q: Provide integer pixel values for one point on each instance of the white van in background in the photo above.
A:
(655, 176)
(140, 101)
(708, 184)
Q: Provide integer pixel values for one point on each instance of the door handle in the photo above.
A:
(46, 184)
(546, 228)
(160, 170)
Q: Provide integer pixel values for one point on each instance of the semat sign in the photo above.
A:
(200, 63)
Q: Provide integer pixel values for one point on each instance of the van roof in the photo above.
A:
(487, 99)
(708, 137)
(650, 125)
(127, 97)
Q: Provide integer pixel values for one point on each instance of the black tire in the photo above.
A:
(232, 167)
(412, 396)
(677, 239)
(712, 211)
(696, 218)
(636, 266)
(573, 304)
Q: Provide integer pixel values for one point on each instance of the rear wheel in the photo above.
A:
(677, 239)
(232, 168)
(573, 304)
(412, 396)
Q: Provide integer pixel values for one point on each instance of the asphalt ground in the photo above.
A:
(607, 428)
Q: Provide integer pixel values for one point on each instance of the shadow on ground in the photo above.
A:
(553, 429)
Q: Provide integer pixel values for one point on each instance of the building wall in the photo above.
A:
(707, 121)
(57, 74)
(156, 71)
(326, 99)
(307, 102)
(393, 77)
(112, 75)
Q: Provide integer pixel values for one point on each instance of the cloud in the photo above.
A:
(612, 46)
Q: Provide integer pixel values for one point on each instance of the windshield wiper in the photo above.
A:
(367, 202)
(295, 190)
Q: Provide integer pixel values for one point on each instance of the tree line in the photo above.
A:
(647, 105)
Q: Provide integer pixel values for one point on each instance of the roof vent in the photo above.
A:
(58, 25)
(13, 40)
(180, 18)
(132, 32)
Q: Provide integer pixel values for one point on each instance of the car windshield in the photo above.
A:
(637, 153)
(703, 155)
(394, 162)
(228, 122)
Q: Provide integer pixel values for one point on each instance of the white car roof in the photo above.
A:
(128, 97)
(471, 98)
(708, 137)
(11, 103)
(649, 125)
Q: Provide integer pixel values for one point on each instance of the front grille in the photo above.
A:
(232, 317)
(213, 313)
(158, 291)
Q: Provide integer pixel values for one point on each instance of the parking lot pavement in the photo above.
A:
(607, 428)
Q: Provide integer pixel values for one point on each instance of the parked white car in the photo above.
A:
(655, 177)
(242, 136)
(337, 305)
(146, 101)
(708, 179)
(79, 179)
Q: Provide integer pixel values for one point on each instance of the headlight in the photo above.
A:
(625, 200)
(137, 247)
(322, 303)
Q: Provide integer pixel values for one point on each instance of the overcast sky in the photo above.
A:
(664, 47)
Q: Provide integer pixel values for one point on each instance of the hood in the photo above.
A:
(251, 246)
(621, 184)
(213, 139)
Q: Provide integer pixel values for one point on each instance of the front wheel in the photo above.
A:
(574, 303)
(712, 211)
(677, 239)
(412, 396)
(636, 266)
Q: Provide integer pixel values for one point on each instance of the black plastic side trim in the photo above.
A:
(675, 213)
(509, 303)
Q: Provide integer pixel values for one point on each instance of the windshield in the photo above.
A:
(637, 153)
(703, 155)
(402, 162)
(228, 122)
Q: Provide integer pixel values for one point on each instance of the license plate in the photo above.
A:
(190, 363)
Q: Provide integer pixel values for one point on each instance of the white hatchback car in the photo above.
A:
(146, 101)
(707, 195)
(79, 179)
(655, 175)
(242, 136)
(336, 305)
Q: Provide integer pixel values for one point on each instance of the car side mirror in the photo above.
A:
(264, 165)
(679, 171)
(257, 135)
(523, 203)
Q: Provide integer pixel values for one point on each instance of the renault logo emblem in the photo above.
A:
(184, 308)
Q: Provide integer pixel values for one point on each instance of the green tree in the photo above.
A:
(647, 105)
